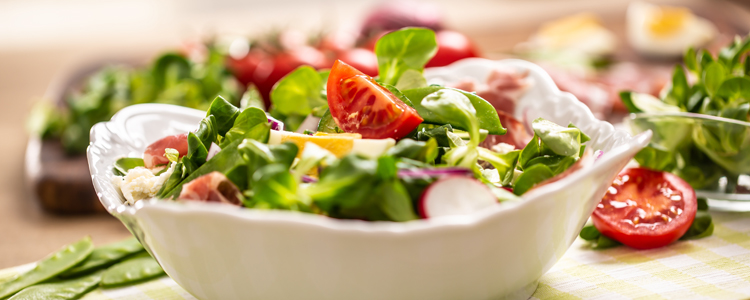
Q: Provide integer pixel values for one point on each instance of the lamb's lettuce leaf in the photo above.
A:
(403, 50)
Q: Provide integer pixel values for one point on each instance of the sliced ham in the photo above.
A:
(516, 136)
(212, 187)
(503, 89)
(154, 153)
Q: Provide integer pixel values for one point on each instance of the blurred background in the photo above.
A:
(43, 42)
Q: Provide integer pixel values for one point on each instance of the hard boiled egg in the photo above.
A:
(666, 30)
(581, 33)
(339, 144)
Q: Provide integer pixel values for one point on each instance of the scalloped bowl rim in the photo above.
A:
(608, 159)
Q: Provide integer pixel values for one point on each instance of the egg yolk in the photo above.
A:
(667, 20)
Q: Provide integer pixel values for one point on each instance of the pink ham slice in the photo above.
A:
(516, 135)
(154, 154)
(503, 90)
(212, 187)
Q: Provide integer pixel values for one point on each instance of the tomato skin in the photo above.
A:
(154, 153)
(359, 105)
(244, 68)
(264, 69)
(452, 46)
(654, 194)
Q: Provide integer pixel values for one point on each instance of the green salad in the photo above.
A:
(389, 148)
(171, 78)
(701, 150)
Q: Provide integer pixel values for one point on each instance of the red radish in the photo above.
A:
(212, 187)
(455, 195)
(154, 153)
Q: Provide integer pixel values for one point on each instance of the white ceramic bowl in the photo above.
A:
(223, 252)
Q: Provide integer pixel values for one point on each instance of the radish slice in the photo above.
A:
(455, 195)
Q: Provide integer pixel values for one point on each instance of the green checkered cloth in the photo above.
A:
(716, 267)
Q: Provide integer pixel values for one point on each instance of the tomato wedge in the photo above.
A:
(154, 153)
(646, 209)
(358, 104)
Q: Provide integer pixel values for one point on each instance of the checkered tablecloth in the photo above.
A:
(717, 267)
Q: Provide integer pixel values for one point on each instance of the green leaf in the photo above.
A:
(485, 112)
(327, 124)
(439, 133)
(701, 227)
(656, 158)
(173, 181)
(736, 89)
(556, 163)
(402, 50)
(678, 91)
(224, 161)
(169, 69)
(705, 58)
(417, 150)
(462, 156)
(636, 102)
(207, 131)
(411, 79)
(590, 233)
(298, 92)
(453, 105)
(225, 114)
(731, 55)
(627, 99)
(691, 61)
(197, 154)
(605, 242)
(564, 141)
(713, 76)
(504, 163)
(395, 201)
(252, 123)
(531, 177)
(702, 204)
(386, 168)
(532, 150)
(123, 165)
(252, 98)
(274, 187)
(396, 92)
(696, 99)
(172, 154)
(597, 240)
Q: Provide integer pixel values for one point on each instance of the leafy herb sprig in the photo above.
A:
(701, 152)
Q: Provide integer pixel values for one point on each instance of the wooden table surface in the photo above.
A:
(41, 39)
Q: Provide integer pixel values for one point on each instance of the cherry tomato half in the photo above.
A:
(358, 104)
(646, 209)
